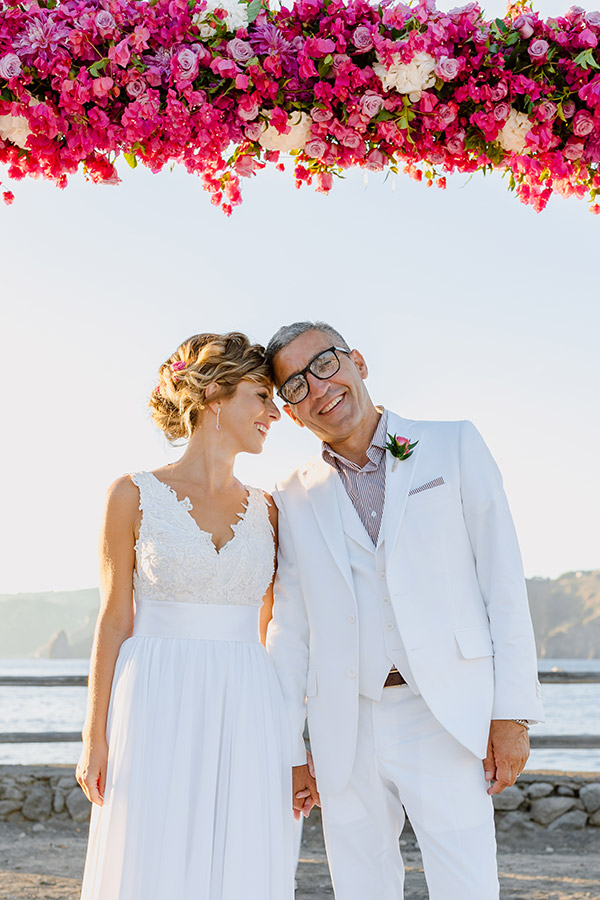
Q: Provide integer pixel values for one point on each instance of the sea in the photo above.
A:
(570, 709)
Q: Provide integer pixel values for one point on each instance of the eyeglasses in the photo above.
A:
(323, 366)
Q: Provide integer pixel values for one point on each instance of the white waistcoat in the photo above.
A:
(379, 641)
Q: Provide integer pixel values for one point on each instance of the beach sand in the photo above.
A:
(47, 865)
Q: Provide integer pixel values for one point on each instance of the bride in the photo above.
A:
(185, 753)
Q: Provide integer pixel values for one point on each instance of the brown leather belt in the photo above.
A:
(394, 678)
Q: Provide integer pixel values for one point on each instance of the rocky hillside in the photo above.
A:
(565, 612)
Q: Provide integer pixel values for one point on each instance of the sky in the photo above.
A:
(465, 304)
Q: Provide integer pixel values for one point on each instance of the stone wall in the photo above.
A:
(540, 802)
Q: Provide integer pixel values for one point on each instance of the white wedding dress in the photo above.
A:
(197, 803)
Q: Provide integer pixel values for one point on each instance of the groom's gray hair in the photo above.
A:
(289, 333)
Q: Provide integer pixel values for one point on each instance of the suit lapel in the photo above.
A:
(398, 482)
(319, 482)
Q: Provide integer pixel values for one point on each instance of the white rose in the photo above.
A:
(295, 139)
(15, 129)
(513, 135)
(407, 78)
(237, 16)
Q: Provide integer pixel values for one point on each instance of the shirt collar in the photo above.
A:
(374, 451)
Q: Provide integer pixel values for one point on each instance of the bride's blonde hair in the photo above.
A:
(179, 398)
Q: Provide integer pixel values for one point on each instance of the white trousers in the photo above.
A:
(405, 758)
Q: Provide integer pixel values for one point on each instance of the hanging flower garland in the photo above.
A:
(223, 87)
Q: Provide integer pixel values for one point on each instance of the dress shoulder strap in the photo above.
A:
(148, 486)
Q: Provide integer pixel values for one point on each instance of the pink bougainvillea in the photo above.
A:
(223, 87)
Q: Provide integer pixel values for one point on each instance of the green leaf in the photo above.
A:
(581, 59)
(511, 39)
(323, 69)
(501, 25)
(403, 123)
(328, 60)
(253, 10)
(97, 67)
(384, 116)
(131, 159)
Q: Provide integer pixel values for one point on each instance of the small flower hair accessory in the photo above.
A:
(177, 367)
(400, 448)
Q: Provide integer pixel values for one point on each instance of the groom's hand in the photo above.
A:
(507, 753)
(304, 791)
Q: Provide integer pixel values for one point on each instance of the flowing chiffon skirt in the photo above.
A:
(197, 803)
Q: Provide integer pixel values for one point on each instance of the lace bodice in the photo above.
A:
(176, 560)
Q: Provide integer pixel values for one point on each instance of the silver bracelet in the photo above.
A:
(524, 722)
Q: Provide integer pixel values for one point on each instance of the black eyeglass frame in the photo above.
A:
(302, 372)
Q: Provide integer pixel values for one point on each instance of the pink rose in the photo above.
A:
(375, 161)
(402, 443)
(239, 50)
(351, 139)
(583, 124)
(538, 50)
(187, 64)
(315, 148)
(320, 115)
(339, 59)
(593, 19)
(499, 91)
(371, 104)
(446, 114)
(568, 109)
(324, 182)
(10, 66)
(573, 149)
(253, 131)
(501, 112)
(136, 88)
(248, 109)
(362, 39)
(524, 25)
(456, 143)
(447, 68)
(104, 21)
(546, 110)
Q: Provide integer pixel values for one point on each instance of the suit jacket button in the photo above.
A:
(351, 673)
(352, 619)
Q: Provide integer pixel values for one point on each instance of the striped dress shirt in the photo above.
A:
(365, 485)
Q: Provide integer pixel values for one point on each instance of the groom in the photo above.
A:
(401, 625)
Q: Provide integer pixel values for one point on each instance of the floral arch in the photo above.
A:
(223, 87)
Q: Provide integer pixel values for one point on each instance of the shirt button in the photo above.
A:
(386, 600)
(373, 514)
(382, 576)
(351, 673)
(352, 619)
(389, 626)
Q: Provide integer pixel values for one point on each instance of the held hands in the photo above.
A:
(507, 753)
(304, 789)
(91, 770)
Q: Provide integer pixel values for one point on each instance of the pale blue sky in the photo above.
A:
(465, 303)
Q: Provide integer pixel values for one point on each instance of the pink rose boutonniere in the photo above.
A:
(400, 448)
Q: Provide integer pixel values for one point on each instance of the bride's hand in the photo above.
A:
(91, 770)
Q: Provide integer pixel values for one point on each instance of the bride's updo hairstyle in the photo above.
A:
(179, 398)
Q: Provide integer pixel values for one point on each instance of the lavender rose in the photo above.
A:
(538, 50)
(187, 61)
(456, 144)
(524, 25)
(240, 50)
(371, 104)
(10, 66)
(593, 19)
(315, 148)
(501, 112)
(362, 39)
(583, 124)
(447, 68)
(104, 20)
(569, 109)
(253, 131)
(446, 114)
(351, 139)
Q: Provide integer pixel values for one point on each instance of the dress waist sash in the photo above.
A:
(199, 621)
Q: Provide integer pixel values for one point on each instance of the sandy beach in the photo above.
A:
(46, 864)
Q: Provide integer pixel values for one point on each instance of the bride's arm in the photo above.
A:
(266, 613)
(114, 626)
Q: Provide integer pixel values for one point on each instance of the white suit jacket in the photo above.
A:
(456, 582)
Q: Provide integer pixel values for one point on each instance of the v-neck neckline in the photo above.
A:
(188, 506)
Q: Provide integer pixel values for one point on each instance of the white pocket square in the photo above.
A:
(425, 487)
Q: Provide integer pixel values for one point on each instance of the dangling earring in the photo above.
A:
(218, 416)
